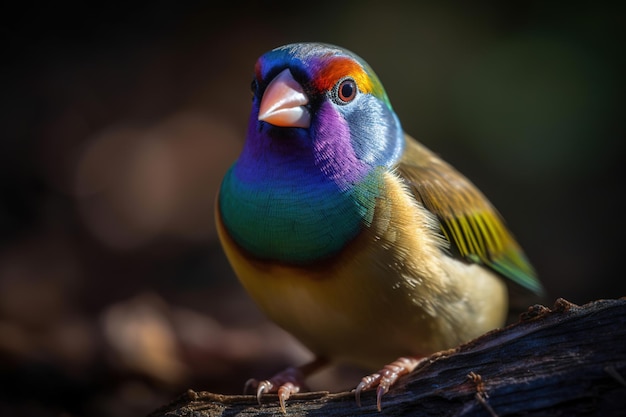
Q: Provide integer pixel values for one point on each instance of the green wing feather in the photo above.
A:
(468, 221)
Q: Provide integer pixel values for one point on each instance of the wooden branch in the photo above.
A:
(564, 361)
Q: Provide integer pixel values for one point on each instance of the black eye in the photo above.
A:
(345, 91)
(254, 85)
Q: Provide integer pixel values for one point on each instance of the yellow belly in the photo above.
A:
(390, 292)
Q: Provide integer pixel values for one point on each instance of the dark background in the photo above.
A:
(118, 120)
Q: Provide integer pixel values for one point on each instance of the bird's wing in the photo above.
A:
(470, 223)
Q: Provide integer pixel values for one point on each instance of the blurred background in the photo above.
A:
(119, 119)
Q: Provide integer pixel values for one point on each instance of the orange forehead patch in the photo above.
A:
(339, 68)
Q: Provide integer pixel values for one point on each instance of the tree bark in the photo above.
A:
(564, 361)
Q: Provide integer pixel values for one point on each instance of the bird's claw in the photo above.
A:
(385, 378)
(284, 384)
(262, 387)
(284, 392)
(366, 383)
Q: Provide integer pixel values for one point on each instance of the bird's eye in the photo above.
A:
(345, 91)
(253, 86)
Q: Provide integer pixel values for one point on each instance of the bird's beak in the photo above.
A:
(283, 103)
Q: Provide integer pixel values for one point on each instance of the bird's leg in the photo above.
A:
(386, 377)
(287, 382)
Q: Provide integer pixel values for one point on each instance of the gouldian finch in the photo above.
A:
(351, 235)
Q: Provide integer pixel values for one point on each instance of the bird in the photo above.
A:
(350, 234)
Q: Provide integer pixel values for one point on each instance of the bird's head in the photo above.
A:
(324, 102)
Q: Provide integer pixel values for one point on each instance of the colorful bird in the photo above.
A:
(350, 234)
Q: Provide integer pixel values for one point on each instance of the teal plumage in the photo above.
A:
(302, 225)
(349, 233)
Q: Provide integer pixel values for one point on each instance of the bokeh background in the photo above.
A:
(118, 120)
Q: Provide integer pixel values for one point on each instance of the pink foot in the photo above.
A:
(285, 383)
(385, 378)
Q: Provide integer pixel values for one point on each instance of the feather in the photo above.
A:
(474, 228)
